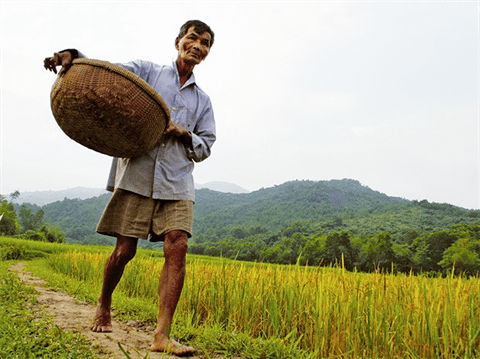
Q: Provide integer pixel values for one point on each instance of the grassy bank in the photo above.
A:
(270, 311)
(212, 339)
(26, 331)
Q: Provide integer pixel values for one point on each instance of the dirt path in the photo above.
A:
(71, 314)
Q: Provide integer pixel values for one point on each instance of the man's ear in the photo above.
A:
(177, 40)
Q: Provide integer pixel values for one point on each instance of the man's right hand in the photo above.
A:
(63, 58)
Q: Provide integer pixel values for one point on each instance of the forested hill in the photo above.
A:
(274, 207)
(280, 223)
(322, 206)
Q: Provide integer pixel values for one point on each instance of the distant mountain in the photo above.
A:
(224, 187)
(323, 207)
(277, 206)
(41, 198)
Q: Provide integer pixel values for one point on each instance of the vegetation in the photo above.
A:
(319, 222)
(26, 332)
(302, 270)
(314, 222)
(9, 222)
(259, 310)
(27, 224)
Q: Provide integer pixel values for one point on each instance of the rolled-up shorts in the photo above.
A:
(132, 215)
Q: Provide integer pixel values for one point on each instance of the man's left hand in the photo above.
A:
(178, 131)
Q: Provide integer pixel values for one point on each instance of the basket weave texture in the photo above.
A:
(108, 109)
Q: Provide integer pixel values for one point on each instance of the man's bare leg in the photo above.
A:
(169, 290)
(123, 252)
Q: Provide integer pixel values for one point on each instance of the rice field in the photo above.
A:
(327, 311)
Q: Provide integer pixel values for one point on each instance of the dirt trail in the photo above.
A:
(72, 314)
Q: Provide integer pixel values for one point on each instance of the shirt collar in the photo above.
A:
(191, 79)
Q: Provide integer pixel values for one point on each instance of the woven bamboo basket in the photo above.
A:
(108, 109)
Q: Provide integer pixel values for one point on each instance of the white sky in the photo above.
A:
(386, 93)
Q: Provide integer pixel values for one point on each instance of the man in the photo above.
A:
(153, 194)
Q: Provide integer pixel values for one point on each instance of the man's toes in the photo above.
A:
(100, 328)
(184, 351)
(105, 329)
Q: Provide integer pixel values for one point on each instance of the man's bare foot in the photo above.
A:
(102, 322)
(172, 347)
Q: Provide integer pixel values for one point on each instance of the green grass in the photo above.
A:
(256, 310)
(26, 331)
(213, 339)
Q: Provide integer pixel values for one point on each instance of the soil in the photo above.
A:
(73, 315)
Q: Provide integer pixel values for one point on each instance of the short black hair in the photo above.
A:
(199, 27)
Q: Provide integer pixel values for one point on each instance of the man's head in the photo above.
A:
(199, 27)
(194, 42)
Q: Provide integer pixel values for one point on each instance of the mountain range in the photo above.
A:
(41, 198)
(225, 187)
(316, 221)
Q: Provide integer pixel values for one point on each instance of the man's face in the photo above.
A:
(193, 48)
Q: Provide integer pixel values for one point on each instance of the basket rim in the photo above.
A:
(128, 75)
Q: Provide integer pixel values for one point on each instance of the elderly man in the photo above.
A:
(153, 194)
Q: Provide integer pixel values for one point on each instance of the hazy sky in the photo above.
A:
(386, 93)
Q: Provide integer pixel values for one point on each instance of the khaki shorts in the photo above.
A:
(131, 215)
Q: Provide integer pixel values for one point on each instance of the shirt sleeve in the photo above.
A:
(138, 67)
(112, 176)
(75, 53)
(203, 136)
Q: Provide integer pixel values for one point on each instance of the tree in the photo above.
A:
(14, 195)
(377, 253)
(239, 232)
(464, 254)
(403, 257)
(437, 243)
(9, 225)
(34, 236)
(30, 221)
(313, 251)
(338, 245)
(79, 232)
(52, 233)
